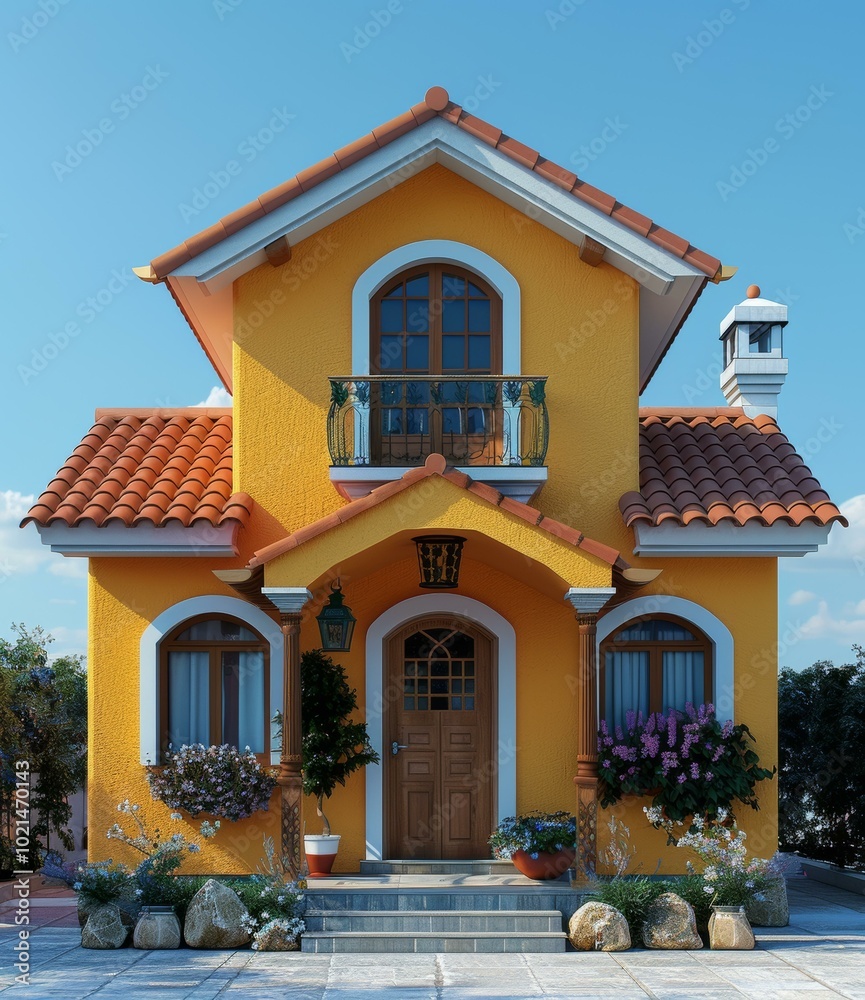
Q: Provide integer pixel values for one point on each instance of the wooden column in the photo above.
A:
(587, 602)
(291, 758)
(290, 602)
(587, 750)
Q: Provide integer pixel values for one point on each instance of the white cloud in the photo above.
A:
(849, 625)
(846, 546)
(67, 641)
(801, 597)
(73, 567)
(22, 551)
(217, 397)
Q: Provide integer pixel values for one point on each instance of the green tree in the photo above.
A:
(43, 720)
(333, 746)
(821, 731)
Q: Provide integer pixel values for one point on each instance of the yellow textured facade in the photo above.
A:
(292, 330)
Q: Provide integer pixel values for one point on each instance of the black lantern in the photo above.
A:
(439, 557)
(336, 623)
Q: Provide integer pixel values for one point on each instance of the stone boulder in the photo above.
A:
(669, 923)
(273, 937)
(129, 910)
(104, 928)
(214, 917)
(157, 928)
(769, 908)
(599, 927)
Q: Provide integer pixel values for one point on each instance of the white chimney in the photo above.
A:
(754, 362)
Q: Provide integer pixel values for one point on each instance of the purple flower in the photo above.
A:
(695, 771)
(681, 779)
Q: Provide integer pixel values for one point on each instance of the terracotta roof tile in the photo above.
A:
(436, 102)
(159, 467)
(436, 465)
(717, 465)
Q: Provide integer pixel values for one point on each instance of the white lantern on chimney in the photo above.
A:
(754, 364)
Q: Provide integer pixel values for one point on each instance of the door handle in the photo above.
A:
(395, 747)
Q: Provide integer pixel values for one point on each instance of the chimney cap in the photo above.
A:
(753, 292)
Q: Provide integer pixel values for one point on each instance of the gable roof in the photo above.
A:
(156, 467)
(715, 464)
(436, 103)
(436, 465)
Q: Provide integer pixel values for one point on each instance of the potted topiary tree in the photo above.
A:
(333, 746)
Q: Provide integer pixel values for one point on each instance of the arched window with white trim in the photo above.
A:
(654, 664)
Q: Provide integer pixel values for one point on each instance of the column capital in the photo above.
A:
(589, 600)
(289, 600)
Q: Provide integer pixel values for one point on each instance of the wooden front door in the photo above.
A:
(441, 780)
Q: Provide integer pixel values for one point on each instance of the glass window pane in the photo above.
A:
(217, 630)
(419, 285)
(408, 704)
(456, 686)
(417, 421)
(422, 670)
(453, 286)
(417, 352)
(423, 704)
(456, 703)
(391, 316)
(440, 668)
(440, 686)
(475, 421)
(243, 700)
(479, 315)
(440, 703)
(409, 667)
(416, 393)
(423, 686)
(417, 315)
(390, 358)
(479, 353)
(475, 292)
(469, 703)
(470, 669)
(460, 644)
(453, 353)
(396, 290)
(408, 685)
(391, 421)
(453, 316)
(188, 698)
(417, 645)
(470, 687)
(451, 422)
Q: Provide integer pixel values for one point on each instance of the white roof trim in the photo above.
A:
(724, 539)
(141, 540)
(439, 141)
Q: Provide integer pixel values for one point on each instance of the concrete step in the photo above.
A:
(442, 922)
(393, 942)
(482, 866)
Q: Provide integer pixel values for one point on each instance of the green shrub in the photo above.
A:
(631, 896)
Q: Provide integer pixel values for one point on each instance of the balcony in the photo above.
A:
(494, 427)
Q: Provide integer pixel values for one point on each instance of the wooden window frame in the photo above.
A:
(172, 645)
(656, 649)
(436, 272)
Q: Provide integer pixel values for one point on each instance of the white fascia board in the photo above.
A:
(725, 540)
(141, 540)
(439, 141)
(660, 315)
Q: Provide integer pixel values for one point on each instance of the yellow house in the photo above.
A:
(436, 340)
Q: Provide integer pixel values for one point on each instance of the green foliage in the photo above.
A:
(821, 732)
(692, 888)
(631, 896)
(43, 720)
(103, 882)
(333, 746)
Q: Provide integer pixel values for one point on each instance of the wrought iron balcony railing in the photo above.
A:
(490, 420)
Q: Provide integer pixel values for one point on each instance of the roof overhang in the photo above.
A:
(727, 540)
(142, 540)
(669, 285)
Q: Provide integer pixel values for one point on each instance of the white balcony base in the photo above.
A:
(520, 482)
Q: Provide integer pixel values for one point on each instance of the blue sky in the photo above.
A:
(737, 125)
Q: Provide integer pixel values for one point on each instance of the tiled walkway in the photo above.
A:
(821, 954)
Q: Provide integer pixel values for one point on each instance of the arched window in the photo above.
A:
(435, 320)
(214, 685)
(654, 665)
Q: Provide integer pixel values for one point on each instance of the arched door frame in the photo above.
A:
(376, 699)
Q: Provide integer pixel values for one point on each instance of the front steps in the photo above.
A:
(430, 906)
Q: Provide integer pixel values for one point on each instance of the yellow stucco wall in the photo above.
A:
(293, 329)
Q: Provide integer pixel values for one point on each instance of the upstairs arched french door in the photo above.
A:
(429, 325)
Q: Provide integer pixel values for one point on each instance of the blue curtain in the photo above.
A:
(188, 699)
(682, 679)
(626, 685)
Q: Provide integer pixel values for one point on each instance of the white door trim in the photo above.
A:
(376, 699)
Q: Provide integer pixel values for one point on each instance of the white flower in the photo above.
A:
(176, 816)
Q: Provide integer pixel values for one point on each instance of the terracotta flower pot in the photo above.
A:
(548, 864)
(320, 853)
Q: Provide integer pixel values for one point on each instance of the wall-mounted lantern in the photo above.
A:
(336, 623)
